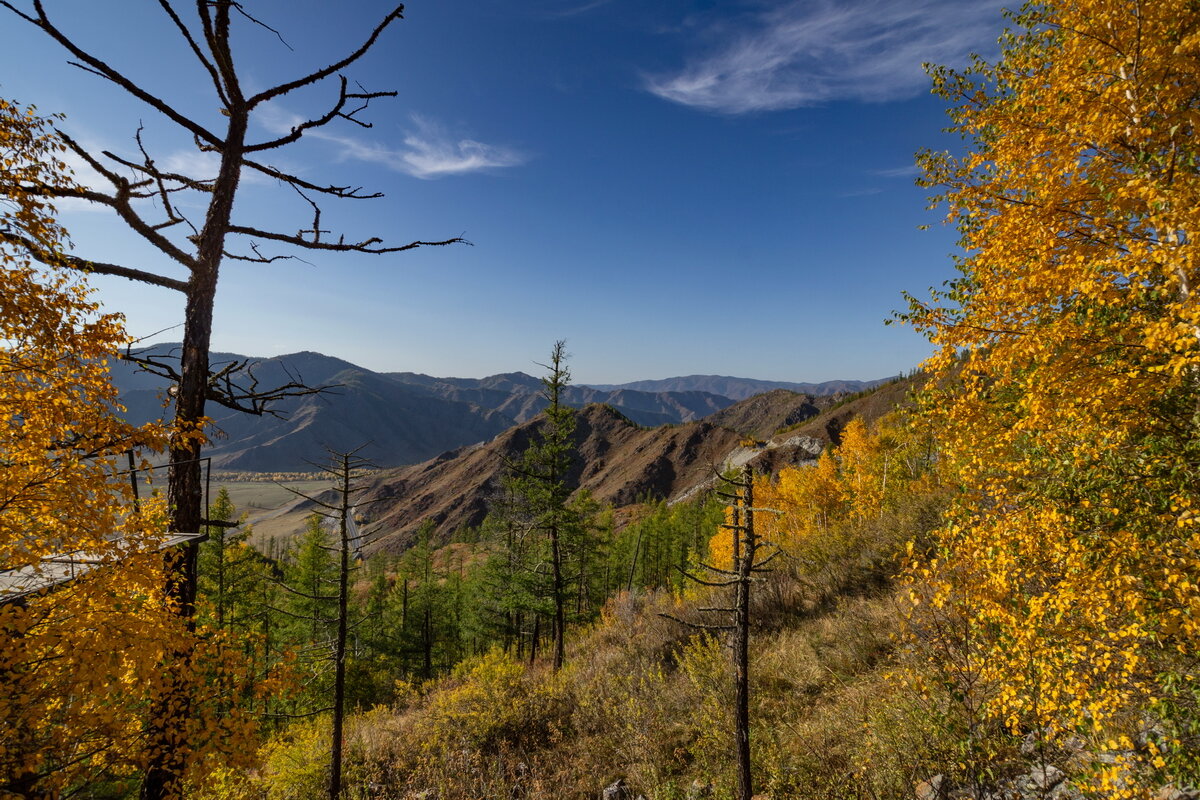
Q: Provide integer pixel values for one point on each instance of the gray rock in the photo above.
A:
(808, 444)
(699, 790)
(1074, 744)
(1173, 792)
(1046, 777)
(1031, 743)
(617, 790)
(931, 789)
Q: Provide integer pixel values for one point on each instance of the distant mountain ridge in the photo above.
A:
(518, 396)
(404, 417)
(398, 425)
(618, 462)
(739, 388)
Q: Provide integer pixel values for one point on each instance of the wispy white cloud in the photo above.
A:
(428, 150)
(910, 171)
(196, 164)
(805, 52)
(575, 9)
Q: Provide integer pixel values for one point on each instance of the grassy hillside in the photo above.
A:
(646, 699)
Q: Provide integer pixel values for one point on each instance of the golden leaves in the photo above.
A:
(79, 666)
(1068, 374)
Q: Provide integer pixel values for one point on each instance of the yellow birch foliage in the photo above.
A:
(1068, 375)
(79, 665)
(818, 513)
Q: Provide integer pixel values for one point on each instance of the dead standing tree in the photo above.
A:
(345, 468)
(746, 563)
(146, 198)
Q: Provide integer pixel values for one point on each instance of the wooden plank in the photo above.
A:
(56, 570)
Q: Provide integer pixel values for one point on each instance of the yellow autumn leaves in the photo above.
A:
(78, 665)
(1067, 385)
(820, 515)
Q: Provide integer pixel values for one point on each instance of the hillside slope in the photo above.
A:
(401, 418)
(619, 462)
(741, 388)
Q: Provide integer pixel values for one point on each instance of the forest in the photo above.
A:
(991, 591)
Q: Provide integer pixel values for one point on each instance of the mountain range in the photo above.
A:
(406, 418)
(740, 388)
(619, 462)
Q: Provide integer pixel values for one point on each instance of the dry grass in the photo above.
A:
(645, 699)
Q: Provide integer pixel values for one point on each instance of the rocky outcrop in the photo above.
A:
(619, 462)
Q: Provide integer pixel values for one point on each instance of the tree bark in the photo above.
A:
(741, 642)
(339, 655)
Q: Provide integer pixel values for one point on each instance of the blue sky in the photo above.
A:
(672, 187)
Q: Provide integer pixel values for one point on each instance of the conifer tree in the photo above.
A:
(540, 485)
(320, 591)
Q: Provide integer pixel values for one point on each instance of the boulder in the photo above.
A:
(617, 790)
(932, 789)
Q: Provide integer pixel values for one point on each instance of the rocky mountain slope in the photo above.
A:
(402, 418)
(741, 388)
(619, 462)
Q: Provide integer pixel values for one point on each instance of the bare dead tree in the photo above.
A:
(344, 468)
(746, 564)
(145, 197)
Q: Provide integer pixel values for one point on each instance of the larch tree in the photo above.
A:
(748, 555)
(346, 469)
(540, 486)
(1067, 383)
(154, 202)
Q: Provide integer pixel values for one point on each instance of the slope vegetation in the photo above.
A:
(619, 462)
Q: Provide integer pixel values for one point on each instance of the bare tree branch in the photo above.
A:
(333, 113)
(320, 74)
(223, 388)
(196, 51)
(346, 192)
(259, 258)
(697, 625)
(97, 267)
(98, 67)
(241, 10)
(365, 246)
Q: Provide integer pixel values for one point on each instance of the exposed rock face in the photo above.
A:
(617, 790)
(619, 462)
(930, 789)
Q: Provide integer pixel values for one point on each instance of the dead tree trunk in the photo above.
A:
(741, 639)
(200, 250)
(745, 550)
(344, 467)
